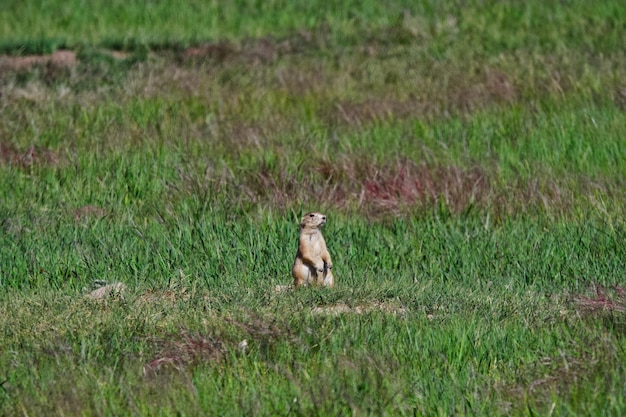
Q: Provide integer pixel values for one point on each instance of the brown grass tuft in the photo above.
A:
(265, 331)
(499, 86)
(187, 350)
(619, 97)
(89, 211)
(211, 52)
(468, 94)
(264, 50)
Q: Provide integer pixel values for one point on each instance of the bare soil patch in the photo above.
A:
(57, 59)
(61, 59)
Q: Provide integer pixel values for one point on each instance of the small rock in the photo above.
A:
(115, 288)
(282, 288)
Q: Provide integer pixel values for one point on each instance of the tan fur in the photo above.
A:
(312, 264)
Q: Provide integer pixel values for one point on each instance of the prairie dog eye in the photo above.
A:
(311, 215)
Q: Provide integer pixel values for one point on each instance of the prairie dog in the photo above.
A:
(312, 264)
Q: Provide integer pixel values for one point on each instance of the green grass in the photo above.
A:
(490, 27)
(469, 156)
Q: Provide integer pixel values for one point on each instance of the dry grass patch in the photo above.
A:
(342, 308)
(33, 156)
(57, 59)
(460, 93)
(227, 335)
(184, 350)
(360, 114)
(265, 50)
(89, 212)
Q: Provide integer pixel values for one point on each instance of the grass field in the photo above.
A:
(470, 157)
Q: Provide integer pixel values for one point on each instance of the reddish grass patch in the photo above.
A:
(611, 299)
(374, 188)
(394, 188)
(377, 188)
(24, 159)
(409, 184)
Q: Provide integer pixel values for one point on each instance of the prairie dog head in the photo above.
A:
(312, 221)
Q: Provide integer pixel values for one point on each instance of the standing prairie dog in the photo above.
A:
(312, 264)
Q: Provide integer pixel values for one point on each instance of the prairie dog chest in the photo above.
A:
(313, 242)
